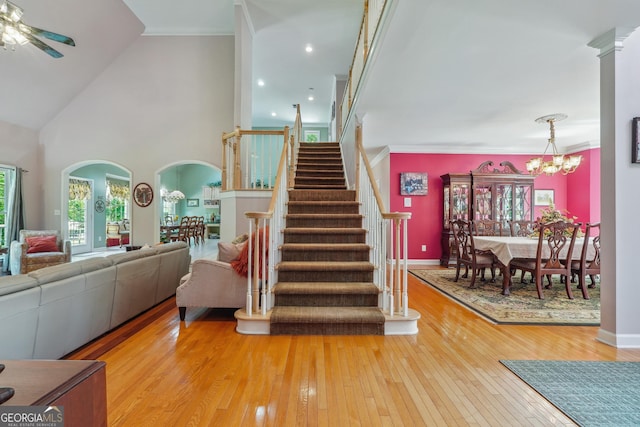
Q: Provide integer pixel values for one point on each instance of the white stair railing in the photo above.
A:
(263, 246)
(262, 276)
(383, 227)
(249, 158)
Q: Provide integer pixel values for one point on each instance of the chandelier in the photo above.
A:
(172, 196)
(558, 162)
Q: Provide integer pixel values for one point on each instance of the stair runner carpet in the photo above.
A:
(325, 279)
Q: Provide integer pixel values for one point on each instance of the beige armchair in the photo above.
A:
(213, 283)
(37, 249)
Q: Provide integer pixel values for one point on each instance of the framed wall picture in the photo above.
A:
(635, 140)
(142, 194)
(193, 203)
(543, 197)
(413, 184)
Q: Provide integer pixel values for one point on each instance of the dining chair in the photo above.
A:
(193, 227)
(556, 237)
(586, 265)
(488, 227)
(467, 254)
(522, 228)
(200, 230)
(182, 232)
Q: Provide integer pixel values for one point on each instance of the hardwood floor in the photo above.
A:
(200, 372)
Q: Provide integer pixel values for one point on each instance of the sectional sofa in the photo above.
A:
(50, 312)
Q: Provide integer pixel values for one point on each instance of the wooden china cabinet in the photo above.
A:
(484, 193)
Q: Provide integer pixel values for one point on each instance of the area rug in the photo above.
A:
(523, 305)
(590, 393)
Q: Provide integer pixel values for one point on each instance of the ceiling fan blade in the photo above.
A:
(47, 34)
(42, 46)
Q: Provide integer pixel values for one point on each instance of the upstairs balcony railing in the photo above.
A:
(250, 157)
(372, 17)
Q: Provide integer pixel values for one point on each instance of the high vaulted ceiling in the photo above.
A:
(448, 75)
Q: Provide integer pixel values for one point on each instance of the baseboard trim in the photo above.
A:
(618, 340)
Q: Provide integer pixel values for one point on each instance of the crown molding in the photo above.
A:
(468, 149)
(611, 41)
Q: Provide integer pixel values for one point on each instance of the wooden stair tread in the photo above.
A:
(316, 288)
(324, 215)
(287, 314)
(325, 247)
(327, 230)
(325, 266)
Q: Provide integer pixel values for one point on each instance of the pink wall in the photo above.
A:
(584, 202)
(425, 224)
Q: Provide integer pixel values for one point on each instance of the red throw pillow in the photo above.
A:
(241, 265)
(42, 244)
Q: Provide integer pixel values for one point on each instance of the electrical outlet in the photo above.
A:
(424, 248)
(99, 238)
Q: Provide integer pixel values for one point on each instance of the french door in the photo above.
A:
(80, 215)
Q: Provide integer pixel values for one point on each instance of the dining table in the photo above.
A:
(506, 248)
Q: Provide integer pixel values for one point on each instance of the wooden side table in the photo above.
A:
(79, 386)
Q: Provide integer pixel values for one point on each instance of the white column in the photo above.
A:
(620, 200)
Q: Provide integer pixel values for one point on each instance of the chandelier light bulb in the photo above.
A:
(558, 162)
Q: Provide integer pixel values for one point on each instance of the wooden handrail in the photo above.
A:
(372, 17)
(367, 166)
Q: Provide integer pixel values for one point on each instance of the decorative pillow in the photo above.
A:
(228, 252)
(241, 265)
(241, 238)
(42, 244)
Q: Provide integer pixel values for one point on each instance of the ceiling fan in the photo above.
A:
(13, 31)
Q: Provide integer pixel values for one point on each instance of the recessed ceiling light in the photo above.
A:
(308, 48)
(310, 98)
(273, 114)
(260, 82)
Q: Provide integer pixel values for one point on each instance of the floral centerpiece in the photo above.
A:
(551, 214)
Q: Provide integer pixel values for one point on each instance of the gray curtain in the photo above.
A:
(15, 214)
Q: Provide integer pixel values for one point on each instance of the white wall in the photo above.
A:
(19, 147)
(164, 99)
(620, 204)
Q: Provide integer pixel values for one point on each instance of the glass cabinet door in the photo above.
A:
(504, 203)
(460, 202)
(522, 201)
(447, 218)
(483, 202)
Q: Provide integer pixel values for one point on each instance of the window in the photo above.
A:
(5, 185)
(118, 195)
(79, 197)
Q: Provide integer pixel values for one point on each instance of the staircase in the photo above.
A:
(325, 279)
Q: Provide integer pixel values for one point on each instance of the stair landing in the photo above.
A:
(257, 324)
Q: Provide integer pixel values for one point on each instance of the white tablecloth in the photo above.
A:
(507, 248)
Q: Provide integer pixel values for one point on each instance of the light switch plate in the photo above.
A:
(407, 202)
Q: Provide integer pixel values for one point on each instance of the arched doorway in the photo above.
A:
(191, 181)
(96, 193)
